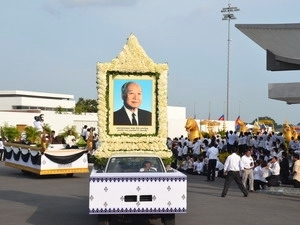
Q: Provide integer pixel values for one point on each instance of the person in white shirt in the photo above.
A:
(260, 173)
(70, 141)
(274, 169)
(190, 165)
(205, 144)
(187, 165)
(83, 132)
(232, 172)
(247, 165)
(296, 170)
(297, 150)
(198, 166)
(87, 133)
(212, 155)
(196, 147)
(148, 167)
(242, 143)
(280, 138)
(273, 137)
(185, 150)
(255, 143)
(38, 122)
(292, 145)
(220, 145)
(183, 165)
(169, 143)
(231, 140)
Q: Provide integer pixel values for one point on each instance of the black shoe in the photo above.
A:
(245, 195)
(223, 196)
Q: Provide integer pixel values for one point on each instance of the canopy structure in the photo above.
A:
(281, 42)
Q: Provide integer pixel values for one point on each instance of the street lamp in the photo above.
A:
(228, 15)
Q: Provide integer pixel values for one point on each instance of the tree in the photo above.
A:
(86, 106)
(60, 110)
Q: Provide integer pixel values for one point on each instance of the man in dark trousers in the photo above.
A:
(130, 113)
(212, 154)
(232, 172)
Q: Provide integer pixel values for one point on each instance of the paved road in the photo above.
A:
(51, 200)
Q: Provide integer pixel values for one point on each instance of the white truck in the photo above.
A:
(136, 184)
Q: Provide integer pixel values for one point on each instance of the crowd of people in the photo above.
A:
(264, 159)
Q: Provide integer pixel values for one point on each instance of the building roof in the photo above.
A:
(18, 93)
(281, 40)
(288, 92)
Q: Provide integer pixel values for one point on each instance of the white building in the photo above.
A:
(28, 100)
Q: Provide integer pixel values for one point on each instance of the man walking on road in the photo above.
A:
(232, 172)
(247, 165)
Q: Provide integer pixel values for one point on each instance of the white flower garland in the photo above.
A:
(133, 59)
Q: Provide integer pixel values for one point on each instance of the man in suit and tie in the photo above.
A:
(130, 113)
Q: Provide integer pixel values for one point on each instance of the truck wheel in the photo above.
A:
(70, 174)
(169, 219)
(103, 220)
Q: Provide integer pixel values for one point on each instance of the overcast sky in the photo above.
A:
(54, 45)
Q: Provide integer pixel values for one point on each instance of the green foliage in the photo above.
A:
(60, 110)
(47, 128)
(32, 134)
(81, 142)
(168, 161)
(86, 106)
(222, 133)
(2, 133)
(223, 156)
(99, 163)
(11, 132)
(205, 134)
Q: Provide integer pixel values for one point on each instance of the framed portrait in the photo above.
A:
(132, 104)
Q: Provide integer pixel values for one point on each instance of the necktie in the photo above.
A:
(134, 122)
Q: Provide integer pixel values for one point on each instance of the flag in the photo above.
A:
(222, 118)
(237, 126)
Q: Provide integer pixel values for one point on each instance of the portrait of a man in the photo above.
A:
(131, 113)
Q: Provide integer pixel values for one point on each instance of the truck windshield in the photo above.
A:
(134, 164)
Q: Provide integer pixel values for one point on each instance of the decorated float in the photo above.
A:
(48, 159)
(128, 145)
(54, 160)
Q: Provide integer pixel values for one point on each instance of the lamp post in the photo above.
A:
(228, 15)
